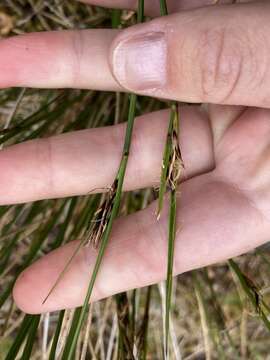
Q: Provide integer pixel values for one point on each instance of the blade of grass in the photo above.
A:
(68, 352)
(250, 292)
(44, 115)
(85, 215)
(218, 314)
(3, 210)
(18, 212)
(64, 226)
(213, 319)
(143, 333)
(20, 337)
(6, 251)
(163, 8)
(56, 335)
(15, 109)
(31, 338)
(30, 120)
(116, 18)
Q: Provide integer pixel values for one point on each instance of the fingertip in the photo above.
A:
(33, 285)
(23, 293)
(32, 291)
(58, 59)
(138, 58)
(139, 63)
(9, 64)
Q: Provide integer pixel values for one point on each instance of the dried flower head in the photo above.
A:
(101, 218)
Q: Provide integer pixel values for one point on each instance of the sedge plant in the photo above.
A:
(172, 165)
(30, 230)
(100, 232)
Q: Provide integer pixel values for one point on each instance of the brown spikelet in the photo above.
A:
(176, 163)
(101, 217)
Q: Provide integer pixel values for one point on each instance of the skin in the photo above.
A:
(225, 194)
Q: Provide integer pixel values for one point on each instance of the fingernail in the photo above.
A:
(140, 62)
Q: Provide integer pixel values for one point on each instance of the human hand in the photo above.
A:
(216, 55)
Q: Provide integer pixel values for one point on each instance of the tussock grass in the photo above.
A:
(226, 316)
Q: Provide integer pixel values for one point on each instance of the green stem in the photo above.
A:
(173, 128)
(115, 209)
(56, 335)
(171, 242)
(163, 8)
(31, 338)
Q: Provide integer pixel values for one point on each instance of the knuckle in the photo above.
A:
(44, 153)
(77, 50)
(221, 54)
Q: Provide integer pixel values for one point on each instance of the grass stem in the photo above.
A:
(116, 199)
(171, 167)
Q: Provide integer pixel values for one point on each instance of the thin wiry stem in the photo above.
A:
(116, 199)
(170, 258)
(118, 184)
(171, 168)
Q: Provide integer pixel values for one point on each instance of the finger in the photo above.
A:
(136, 254)
(76, 163)
(64, 59)
(215, 54)
(153, 7)
(77, 59)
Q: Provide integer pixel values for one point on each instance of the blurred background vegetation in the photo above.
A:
(219, 312)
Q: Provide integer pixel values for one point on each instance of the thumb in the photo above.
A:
(211, 54)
